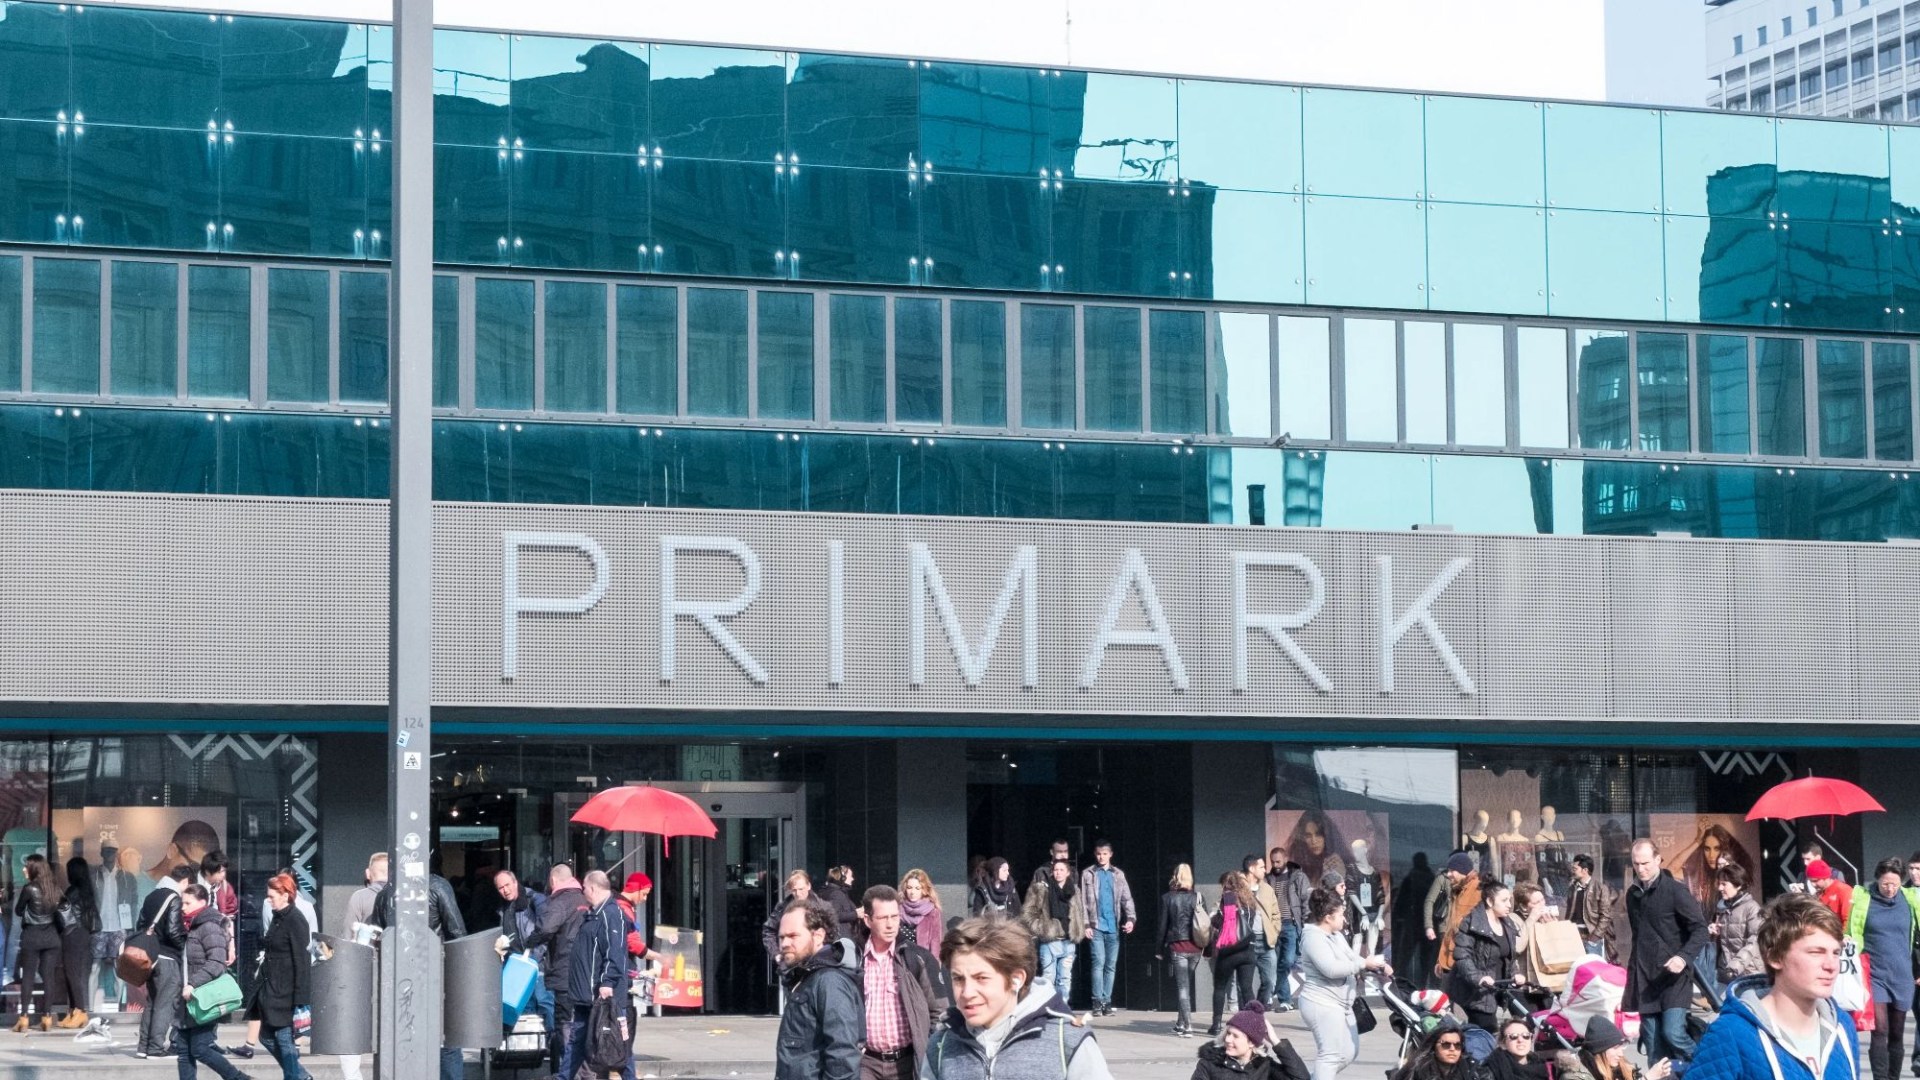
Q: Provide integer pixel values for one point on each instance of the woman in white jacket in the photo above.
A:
(1329, 982)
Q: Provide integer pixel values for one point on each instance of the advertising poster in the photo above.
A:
(1351, 843)
(1693, 846)
(148, 841)
(677, 981)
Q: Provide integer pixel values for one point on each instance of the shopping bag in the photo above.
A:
(1850, 992)
(608, 1044)
(517, 977)
(213, 1000)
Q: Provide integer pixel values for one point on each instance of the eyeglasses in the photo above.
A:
(1448, 1044)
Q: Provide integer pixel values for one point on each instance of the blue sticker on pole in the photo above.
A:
(405, 738)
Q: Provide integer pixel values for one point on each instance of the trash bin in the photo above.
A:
(342, 987)
(472, 993)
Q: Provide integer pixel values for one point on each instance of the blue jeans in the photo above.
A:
(453, 1064)
(1106, 956)
(1595, 948)
(198, 1045)
(1664, 1035)
(279, 1043)
(1056, 963)
(543, 1004)
(1288, 956)
(576, 1053)
(1266, 962)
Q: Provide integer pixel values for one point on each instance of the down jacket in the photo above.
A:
(1739, 924)
(825, 1022)
(1482, 950)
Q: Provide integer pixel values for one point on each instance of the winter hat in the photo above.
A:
(1251, 1022)
(1818, 870)
(1602, 1036)
(1460, 863)
(637, 881)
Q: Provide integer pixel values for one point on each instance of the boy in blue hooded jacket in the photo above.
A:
(1782, 1025)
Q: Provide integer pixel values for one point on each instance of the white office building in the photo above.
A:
(1858, 58)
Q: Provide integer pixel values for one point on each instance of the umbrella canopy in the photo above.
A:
(643, 809)
(1813, 796)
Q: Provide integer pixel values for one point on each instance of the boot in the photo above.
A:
(20, 1025)
(76, 1018)
(46, 1021)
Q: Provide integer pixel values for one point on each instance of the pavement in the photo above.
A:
(1137, 1046)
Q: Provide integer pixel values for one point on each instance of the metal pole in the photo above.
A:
(410, 974)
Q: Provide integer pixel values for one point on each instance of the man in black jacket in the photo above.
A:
(597, 968)
(445, 920)
(1668, 935)
(825, 1023)
(559, 924)
(161, 914)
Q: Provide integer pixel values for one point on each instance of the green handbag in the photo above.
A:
(213, 1000)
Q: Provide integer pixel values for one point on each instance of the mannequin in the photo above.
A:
(1478, 840)
(1516, 821)
(1549, 827)
(1367, 887)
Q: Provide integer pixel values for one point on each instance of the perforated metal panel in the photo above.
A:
(202, 600)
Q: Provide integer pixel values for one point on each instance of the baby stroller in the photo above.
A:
(1534, 1006)
(1594, 988)
(1413, 1014)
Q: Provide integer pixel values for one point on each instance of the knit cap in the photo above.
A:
(1251, 1022)
(1460, 863)
(1602, 1036)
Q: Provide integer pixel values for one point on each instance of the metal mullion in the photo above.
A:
(1569, 341)
(753, 354)
(1015, 389)
(469, 334)
(1753, 395)
(613, 348)
(1079, 367)
(257, 336)
(1146, 370)
(26, 323)
(946, 361)
(1633, 391)
(892, 384)
(1337, 378)
(106, 328)
(1400, 382)
(1209, 386)
(1274, 430)
(333, 337)
(182, 310)
(1446, 346)
(680, 345)
(1693, 393)
(1810, 396)
(1913, 404)
(1510, 362)
(822, 361)
(539, 345)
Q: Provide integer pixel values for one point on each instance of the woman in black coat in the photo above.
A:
(1485, 952)
(280, 979)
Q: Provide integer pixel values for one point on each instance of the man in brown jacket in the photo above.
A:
(1464, 883)
(902, 1005)
(1590, 907)
(1266, 938)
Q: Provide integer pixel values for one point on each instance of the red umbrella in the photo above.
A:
(1813, 796)
(643, 809)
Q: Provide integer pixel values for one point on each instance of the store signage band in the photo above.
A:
(1131, 588)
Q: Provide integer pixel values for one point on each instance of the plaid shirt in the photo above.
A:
(886, 1020)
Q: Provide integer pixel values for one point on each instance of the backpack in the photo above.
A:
(608, 1044)
(1229, 926)
(1200, 928)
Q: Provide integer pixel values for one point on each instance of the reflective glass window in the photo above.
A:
(1542, 390)
(1243, 375)
(1607, 265)
(1372, 380)
(285, 194)
(446, 341)
(1840, 367)
(294, 77)
(716, 352)
(1177, 350)
(1426, 381)
(66, 326)
(1602, 157)
(855, 225)
(1725, 425)
(916, 361)
(219, 331)
(574, 94)
(1306, 379)
(1487, 258)
(1240, 135)
(978, 342)
(647, 344)
(363, 336)
(1128, 129)
(1244, 246)
(472, 87)
(502, 343)
(986, 118)
(580, 211)
(1394, 166)
(1113, 368)
(987, 232)
(785, 340)
(1780, 398)
(576, 347)
(298, 327)
(1046, 366)
(1479, 384)
(727, 104)
(1837, 172)
(35, 57)
(857, 358)
(11, 321)
(146, 320)
(1600, 362)
(1366, 253)
(1660, 366)
(150, 68)
(1716, 164)
(1903, 152)
(1892, 402)
(854, 111)
(1484, 150)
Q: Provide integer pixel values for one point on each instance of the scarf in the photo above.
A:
(1001, 893)
(915, 910)
(1060, 902)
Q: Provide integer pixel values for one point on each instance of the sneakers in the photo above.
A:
(1184, 1031)
(1284, 1006)
(243, 1051)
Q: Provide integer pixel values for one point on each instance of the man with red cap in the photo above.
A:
(1835, 895)
(632, 898)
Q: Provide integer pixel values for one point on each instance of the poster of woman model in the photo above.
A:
(1351, 845)
(1693, 846)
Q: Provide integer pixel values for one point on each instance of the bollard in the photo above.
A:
(342, 988)
(472, 992)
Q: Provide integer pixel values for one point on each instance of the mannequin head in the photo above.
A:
(1547, 816)
(1515, 819)
(1359, 848)
(1481, 819)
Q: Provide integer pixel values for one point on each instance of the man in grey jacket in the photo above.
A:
(824, 1024)
(1108, 902)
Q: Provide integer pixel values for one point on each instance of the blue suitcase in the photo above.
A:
(517, 977)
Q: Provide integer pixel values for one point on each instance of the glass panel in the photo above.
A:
(786, 355)
(1716, 164)
(1479, 385)
(1484, 150)
(1116, 239)
(1660, 365)
(1605, 265)
(987, 232)
(1306, 379)
(647, 337)
(219, 331)
(35, 62)
(298, 325)
(1542, 375)
(572, 94)
(1046, 366)
(1841, 369)
(916, 361)
(1892, 402)
(576, 347)
(1243, 375)
(1366, 253)
(716, 352)
(1394, 168)
(1725, 424)
(728, 104)
(1240, 135)
(294, 78)
(1113, 368)
(1128, 128)
(297, 196)
(1837, 172)
(1603, 158)
(1245, 246)
(855, 225)
(363, 337)
(446, 342)
(146, 320)
(152, 68)
(66, 326)
(858, 357)
(1780, 397)
(580, 211)
(502, 343)
(1426, 392)
(1177, 368)
(979, 344)
(854, 111)
(11, 322)
(1600, 360)
(1372, 381)
(472, 87)
(1903, 152)
(1487, 258)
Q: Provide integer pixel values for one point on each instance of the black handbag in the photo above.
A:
(608, 1042)
(1363, 1018)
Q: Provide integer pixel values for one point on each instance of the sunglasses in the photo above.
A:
(1519, 1036)
(1448, 1044)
